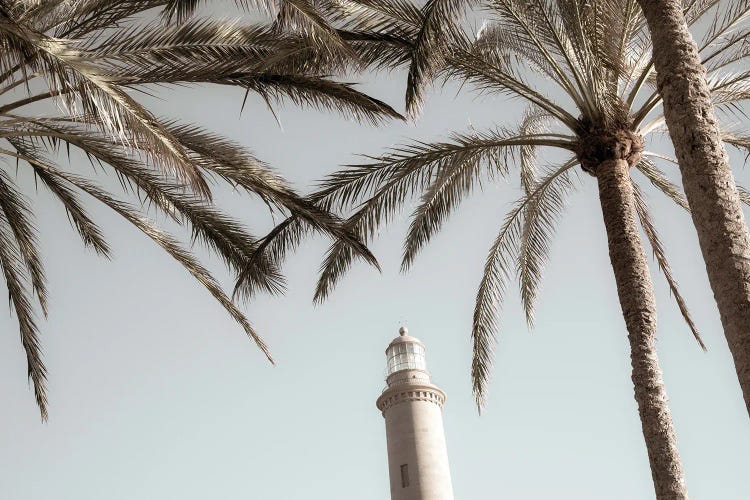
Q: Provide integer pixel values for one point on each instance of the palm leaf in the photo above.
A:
(492, 78)
(660, 181)
(13, 266)
(452, 184)
(89, 232)
(180, 11)
(540, 219)
(644, 216)
(170, 245)
(400, 174)
(72, 76)
(497, 270)
(18, 218)
(435, 35)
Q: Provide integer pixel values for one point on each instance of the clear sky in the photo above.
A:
(156, 394)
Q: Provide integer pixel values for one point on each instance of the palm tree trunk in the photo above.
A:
(635, 291)
(706, 176)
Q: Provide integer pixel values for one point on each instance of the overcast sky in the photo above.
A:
(156, 394)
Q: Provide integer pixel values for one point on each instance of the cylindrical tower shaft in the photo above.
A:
(412, 408)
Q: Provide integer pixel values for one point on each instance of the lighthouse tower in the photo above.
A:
(412, 408)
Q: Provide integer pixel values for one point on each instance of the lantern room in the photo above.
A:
(405, 353)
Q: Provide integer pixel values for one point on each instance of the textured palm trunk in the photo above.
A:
(635, 291)
(706, 176)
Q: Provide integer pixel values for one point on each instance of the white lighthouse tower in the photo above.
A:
(412, 408)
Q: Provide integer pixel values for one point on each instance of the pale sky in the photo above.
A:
(156, 394)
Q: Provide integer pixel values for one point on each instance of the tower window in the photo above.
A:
(404, 475)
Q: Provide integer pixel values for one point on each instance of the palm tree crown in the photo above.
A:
(599, 55)
(67, 72)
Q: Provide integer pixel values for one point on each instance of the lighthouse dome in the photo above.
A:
(405, 353)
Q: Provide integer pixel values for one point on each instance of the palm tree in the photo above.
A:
(67, 74)
(678, 66)
(599, 57)
(706, 174)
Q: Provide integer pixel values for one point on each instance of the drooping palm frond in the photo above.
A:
(450, 186)
(499, 266)
(456, 178)
(652, 172)
(19, 295)
(647, 223)
(375, 16)
(540, 218)
(533, 122)
(220, 233)
(406, 171)
(90, 233)
(18, 217)
(69, 74)
(172, 247)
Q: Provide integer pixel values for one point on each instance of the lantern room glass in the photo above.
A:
(405, 356)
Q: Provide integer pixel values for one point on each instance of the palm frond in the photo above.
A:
(378, 51)
(744, 194)
(13, 265)
(179, 11)
(536, 31)
(732, 49)
(487, 77)
(497, 270)
(660, 181)
(455, 178)
(170, 245)
(728, 17)
(72, 77)
(241, 169)
(405, 172)
(18, 218)
(380, 16)
(348, 243)
(228, 45)
(644, 216)
(739, 140)
(437, 31)
(729, 90)
(89, 232)
(452, 183)
(402, 173)
(270, 252)
(500, 45)
(86, 17)
(540, 218)
(533, 122)
(319, 93)
(382, 32)
(225, 236)
(694, 10)
(301, 16)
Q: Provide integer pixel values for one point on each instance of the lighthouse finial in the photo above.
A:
(403, 331)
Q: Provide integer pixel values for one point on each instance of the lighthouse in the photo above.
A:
(412, 407)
